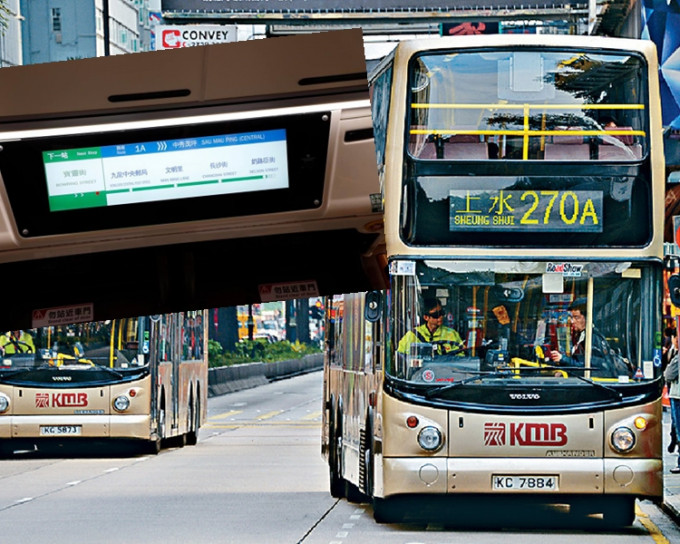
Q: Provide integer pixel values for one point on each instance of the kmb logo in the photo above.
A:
(60, 400)
(525, 434)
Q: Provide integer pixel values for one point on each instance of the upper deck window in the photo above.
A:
(528, 105)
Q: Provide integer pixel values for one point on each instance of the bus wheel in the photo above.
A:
(192, 435)
(5, 449)
(354, 494)
(153, 447)
(337, 483)
(387, 511)
(619, 511)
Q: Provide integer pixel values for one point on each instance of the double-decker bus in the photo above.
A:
(523, 189)
(141, 380)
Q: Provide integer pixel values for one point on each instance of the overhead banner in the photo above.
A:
(376, 8)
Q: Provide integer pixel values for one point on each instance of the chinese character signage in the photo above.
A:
(63, 315)
(528, 210)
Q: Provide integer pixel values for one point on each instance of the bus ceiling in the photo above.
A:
(190, 178)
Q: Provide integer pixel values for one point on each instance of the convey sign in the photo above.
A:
(175, 36)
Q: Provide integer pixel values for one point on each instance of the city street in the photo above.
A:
(256, 476)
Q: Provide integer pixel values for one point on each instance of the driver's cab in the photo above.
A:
(512, 319)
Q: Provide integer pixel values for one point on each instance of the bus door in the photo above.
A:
(373, 335)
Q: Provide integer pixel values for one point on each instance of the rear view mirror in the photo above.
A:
(674, 289)
(373, 308)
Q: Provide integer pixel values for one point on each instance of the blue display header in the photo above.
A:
(186, 144)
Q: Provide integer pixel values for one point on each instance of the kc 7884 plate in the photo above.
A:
(526, 482)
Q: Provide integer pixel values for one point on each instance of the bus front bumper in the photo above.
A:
(530, 476)
(76, 426)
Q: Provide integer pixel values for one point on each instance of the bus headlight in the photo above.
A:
(4, 403)
(121, 403)
(430, 439)
(623, 439)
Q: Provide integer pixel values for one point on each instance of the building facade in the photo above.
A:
(10, 35)
(56, 30)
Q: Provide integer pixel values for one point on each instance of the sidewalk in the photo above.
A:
(671, 482)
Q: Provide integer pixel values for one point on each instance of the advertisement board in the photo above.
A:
(175, 36)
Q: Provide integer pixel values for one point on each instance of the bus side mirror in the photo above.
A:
(373, 306)
(674, 289)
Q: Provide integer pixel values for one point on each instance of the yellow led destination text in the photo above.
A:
(528, 210)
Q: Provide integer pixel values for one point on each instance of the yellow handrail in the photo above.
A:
(517, 362)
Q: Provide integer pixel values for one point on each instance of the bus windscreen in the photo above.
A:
(152, 171)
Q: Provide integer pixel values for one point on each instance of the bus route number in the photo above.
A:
(527, 210)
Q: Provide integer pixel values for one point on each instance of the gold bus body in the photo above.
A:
(369, 445)
(169, 403)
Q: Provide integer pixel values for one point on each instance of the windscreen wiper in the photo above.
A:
(109, 370)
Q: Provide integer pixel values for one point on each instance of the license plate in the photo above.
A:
(531, 483)
(60, 430)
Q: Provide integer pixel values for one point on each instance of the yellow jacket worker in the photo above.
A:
(13, 342)
(432, 331)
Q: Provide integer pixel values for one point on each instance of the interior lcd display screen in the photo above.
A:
(160, 170)
(156, 172)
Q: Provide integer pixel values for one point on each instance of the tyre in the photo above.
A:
(337, 483)
(153, 447)
(354, 494)
(387, 511)
(192, 435)
(619, 511)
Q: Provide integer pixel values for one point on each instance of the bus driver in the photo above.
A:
(433, 331)
(17, 341)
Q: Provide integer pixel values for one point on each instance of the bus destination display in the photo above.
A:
(526, 210)
(166, 170)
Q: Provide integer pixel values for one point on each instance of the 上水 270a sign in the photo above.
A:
(527, 210)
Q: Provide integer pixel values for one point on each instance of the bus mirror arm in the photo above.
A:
(674, 289)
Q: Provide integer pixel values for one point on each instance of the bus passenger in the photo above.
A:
(433, 331)
(671, 376)
(18, 341)
(611, 365)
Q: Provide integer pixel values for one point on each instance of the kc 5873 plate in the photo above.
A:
(60, 430)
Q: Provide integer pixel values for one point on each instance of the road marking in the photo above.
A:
(313, 415)
(225, 415)
(651, 527)
(269, 415)
(249, 424)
